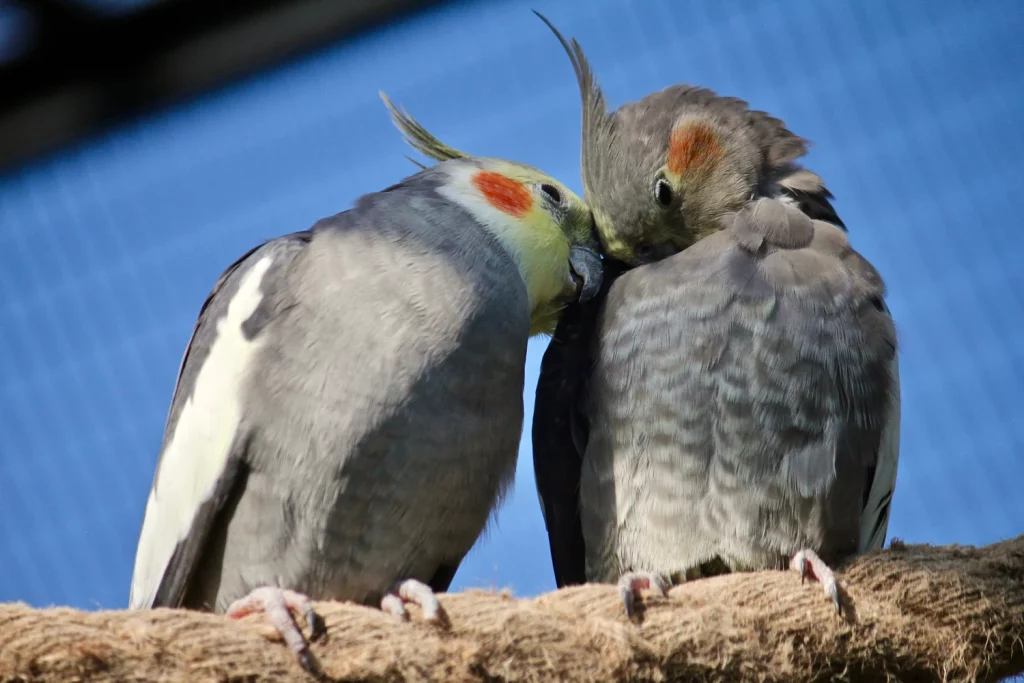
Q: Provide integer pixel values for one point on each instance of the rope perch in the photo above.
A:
(912, 613)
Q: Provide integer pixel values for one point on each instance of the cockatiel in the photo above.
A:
(743, 407)
(731, 401)
(348, 412)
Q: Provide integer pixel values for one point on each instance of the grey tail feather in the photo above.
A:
(418, 137)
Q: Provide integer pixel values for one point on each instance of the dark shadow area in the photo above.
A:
(74, 67)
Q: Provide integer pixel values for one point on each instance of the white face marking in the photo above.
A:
(461, 191)
(531, 259)
(198, 450)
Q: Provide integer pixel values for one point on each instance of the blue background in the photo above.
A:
(108, 249)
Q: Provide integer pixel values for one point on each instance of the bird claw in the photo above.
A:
(800, 560)
(416, 592)
(279, 605)
(631, 583)
(808, 559)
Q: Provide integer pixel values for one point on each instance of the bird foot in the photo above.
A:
(631, 583)
(279, 605)
(413, 591)
(807, 562)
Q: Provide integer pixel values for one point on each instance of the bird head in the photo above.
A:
(546, 227)
(659, 174)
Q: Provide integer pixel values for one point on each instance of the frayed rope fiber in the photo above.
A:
(912, 613)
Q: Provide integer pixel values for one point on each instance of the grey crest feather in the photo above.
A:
(596, 123)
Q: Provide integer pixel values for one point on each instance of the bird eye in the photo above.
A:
(552, 192)
(663, 192)
(644, 252)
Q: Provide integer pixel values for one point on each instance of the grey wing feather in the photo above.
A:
(878, 503)
(560, 429)
(768, 381)
(839, 298)
(174, 584)
(166, 583)
(559, 441)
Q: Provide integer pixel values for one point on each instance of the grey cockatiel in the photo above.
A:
(734, 406)
(743, 407)
(349, 409)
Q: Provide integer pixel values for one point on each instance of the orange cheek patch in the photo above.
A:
(692, 146)
(503, 193)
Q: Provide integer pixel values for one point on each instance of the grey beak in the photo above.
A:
(587, 271)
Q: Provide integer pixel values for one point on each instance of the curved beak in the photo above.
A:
(587, 270)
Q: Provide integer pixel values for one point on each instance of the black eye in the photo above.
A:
(552, 192)
(644, 252)
(663, 192)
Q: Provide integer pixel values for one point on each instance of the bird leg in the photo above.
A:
(631, 583)
(808, 559)
(413, 591)
(278, 605)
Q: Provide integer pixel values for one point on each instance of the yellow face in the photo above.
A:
(544, 225)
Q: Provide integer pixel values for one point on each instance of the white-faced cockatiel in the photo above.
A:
(731, 401)
(348, 412)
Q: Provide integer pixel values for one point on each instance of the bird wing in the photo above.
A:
(561, 429)
(760, 356)
(204, 441)
(875, 518)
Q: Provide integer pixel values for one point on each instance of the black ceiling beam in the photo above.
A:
(87, 70)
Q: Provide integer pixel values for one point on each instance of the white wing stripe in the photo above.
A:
(197, 452)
